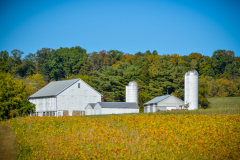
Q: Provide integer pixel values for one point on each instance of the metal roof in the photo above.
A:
(132, 83)
(92, 104)
(157, 99)
(56, 87)
(192, 72)
(132, 105)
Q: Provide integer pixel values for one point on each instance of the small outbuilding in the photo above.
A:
(90, 108)
(163, 103)
(111, 108)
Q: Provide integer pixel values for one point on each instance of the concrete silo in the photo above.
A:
(132, 92)
(191, 89)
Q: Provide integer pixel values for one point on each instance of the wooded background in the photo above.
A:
(110, 71)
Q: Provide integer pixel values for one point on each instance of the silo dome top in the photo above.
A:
(132, 83)
(192, 72)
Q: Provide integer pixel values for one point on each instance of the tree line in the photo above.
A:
(110, 71)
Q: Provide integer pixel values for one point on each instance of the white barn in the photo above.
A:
(163, 103)
(67, 97)
(111, 108)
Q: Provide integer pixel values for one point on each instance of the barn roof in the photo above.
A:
(157, 99)
(92, 104)
(132, 105)
(56, 87)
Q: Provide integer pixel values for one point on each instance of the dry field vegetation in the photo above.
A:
(203, 135)
(8, 143)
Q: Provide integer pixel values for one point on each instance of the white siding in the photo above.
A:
(161, 108)
(98, 110)
(132, 94)
(171, 101)
(147, 108)
(44, 104)
(118, 110)
(75, 98)
(71, 99)
(89, 110)
(170, 108)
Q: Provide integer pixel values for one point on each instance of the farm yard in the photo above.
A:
(132, 136)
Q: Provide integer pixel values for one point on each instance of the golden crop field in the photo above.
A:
(129, 137)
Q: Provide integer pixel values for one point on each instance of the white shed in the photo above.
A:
(112, 108)
(90, 108)
(67, 97)
(163, 103)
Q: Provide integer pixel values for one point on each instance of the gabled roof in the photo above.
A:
(157, 99)
(132, 105)
(92, 104)
(56, 87)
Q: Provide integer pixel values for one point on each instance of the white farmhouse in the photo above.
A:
(67, 97)
(111, 108)
(163, 103)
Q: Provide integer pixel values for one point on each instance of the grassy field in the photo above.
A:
(212, 133)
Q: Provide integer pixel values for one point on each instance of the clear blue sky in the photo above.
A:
(174, 26)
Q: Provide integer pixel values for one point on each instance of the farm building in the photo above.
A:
(132, 92)
(163, 103)
(67, 97)
(111, 108)
(191, 89)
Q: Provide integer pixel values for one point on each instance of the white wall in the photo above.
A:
(44, 104)
(74, 98)
(118, 110)
(161, 108)
(132, 94)
(171, 101)
(89, 110)
(97, 110)
(147, 108)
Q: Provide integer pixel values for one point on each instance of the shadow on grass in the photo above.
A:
(8, 144)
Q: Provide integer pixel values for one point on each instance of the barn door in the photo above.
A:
(65, 113)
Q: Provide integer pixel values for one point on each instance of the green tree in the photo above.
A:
(85, 78)
(4, 61)
(36, 81)
(202, 95)
(29, 65)
(178, 81)
(13, 100)
(221, 59)
(41, 57)
(56, 66)
(15, 61)
(114, 55)
(145, 73)
(161, 77)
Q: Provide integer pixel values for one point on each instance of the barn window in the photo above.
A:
(78, 85)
